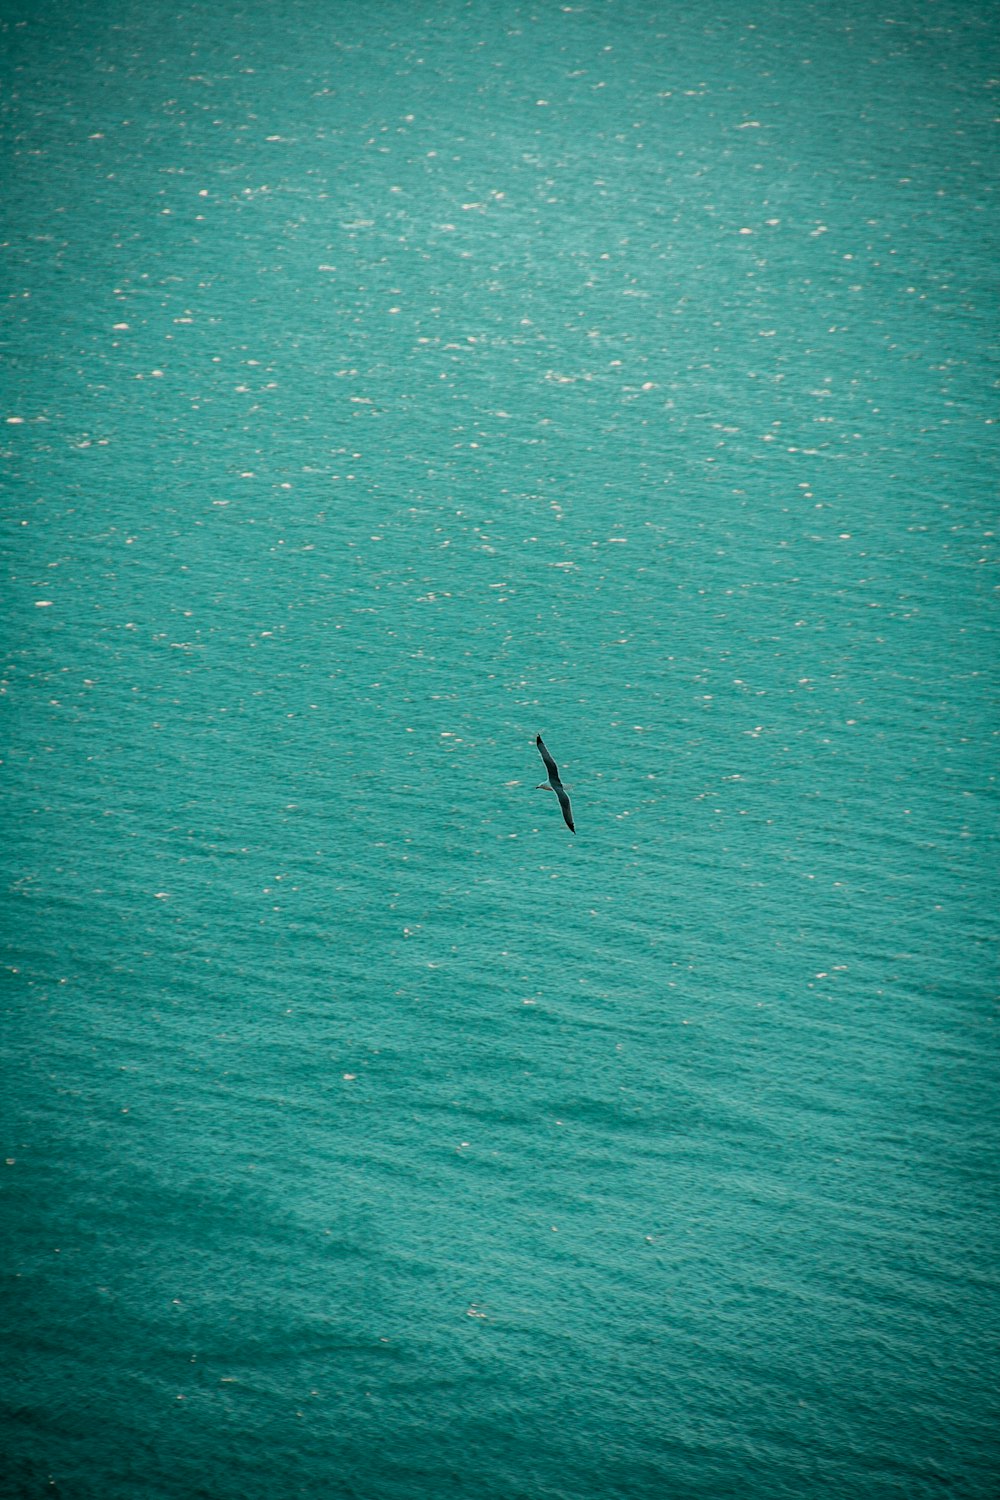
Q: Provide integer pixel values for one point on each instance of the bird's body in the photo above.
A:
(554, 784)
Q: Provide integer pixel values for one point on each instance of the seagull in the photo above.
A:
(554, 784)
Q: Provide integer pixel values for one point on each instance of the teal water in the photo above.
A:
(383, 386)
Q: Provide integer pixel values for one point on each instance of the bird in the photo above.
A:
(554, 784)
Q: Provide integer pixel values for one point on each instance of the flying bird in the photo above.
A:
(554, 784)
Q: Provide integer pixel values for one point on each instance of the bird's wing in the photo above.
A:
(550, 764)
(567, 811)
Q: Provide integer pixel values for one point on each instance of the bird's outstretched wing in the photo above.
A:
(550, 764)
(567, 811)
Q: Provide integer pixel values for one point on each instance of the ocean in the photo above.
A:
(385, 386)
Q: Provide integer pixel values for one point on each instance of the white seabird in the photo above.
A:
(554, 784)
